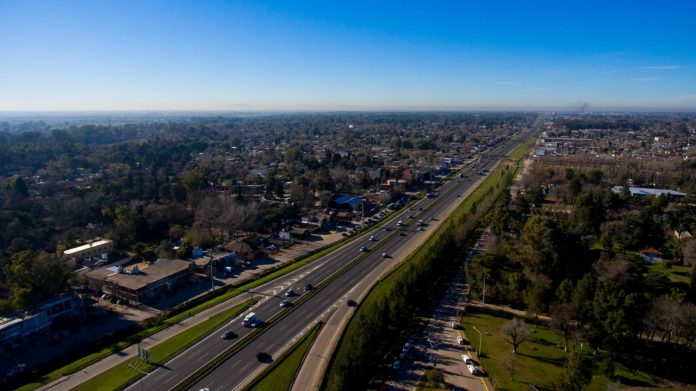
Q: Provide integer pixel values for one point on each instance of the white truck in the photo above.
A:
(250, 320)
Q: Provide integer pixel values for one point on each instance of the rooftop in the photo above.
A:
(149, 274)
(87, 246)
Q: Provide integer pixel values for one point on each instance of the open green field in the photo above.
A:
(122, 374)
(540, 359)
(281, 374)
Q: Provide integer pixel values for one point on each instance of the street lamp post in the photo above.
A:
(480, 341)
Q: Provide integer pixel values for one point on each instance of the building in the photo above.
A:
(94, 248)
(141, 283)
(647, 191)
(651, 255)
(38, 318)
(244, 250)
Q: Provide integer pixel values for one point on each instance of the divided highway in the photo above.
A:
(348, 262)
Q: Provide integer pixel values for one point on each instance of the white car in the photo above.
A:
(372, 238)
(385, 255)
(460, 340)
(471, 368)
(467, 359)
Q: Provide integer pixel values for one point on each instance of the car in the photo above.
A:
(229, 334)
(205, 389)
(400, 222)
(308, 287)
(455, 325)
(385, 255)
(263, 357)
(113, 300)
(372, 238)
(285, 303)
(397, 364)
(119, 301)
(472, 369)
(289, 293)
(363, 249)
(467, 359)
(351, 303)
(387, 229)
(406, 348)
(460, 340)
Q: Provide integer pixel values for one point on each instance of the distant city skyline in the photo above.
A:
(316, 56)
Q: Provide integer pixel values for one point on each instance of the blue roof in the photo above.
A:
(352, 201)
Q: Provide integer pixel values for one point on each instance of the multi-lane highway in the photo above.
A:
(347, 266)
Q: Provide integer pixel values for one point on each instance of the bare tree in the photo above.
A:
(515, 332)
(510, 365)
(562, 316)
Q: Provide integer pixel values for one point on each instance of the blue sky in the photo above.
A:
(326, 55)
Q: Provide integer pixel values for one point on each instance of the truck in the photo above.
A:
(250, 320)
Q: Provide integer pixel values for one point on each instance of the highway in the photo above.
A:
(275, 337)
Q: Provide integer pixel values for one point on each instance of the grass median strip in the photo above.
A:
(282, 373)
(121, 375)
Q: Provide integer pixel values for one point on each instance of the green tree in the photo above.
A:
(577, 374)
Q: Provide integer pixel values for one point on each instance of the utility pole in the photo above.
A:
(483, 294)
(212, 274)
(480, 341)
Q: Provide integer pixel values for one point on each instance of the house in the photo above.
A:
(347, 203)
(683, 236)
(245, 251)
(651, 255)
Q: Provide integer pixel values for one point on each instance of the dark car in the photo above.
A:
(351, 303)
(264, 357)
(229, 335)
(308, 287)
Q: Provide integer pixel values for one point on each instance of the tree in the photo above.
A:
(515, 332)
(511, 365)
(562, 316)
(576, 374)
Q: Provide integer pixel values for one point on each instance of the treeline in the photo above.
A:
(378, 325)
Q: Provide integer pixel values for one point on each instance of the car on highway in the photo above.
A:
(351, 303)
(400, 223)
(397, 364)
(285, 303)
(460, 340)
(387, 229)
(229, 334)
(263, 357)
(472, 369)
(289, 293)
(373, 239)
(308, 287)
(385, 255)
(363, 249)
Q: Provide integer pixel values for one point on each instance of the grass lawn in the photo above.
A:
(540, 359)
(122, 374)
(675, 273)
(281, 374)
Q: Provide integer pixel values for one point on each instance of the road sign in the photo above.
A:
(143, 353)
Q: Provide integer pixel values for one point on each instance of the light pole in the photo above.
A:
(480, 341)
